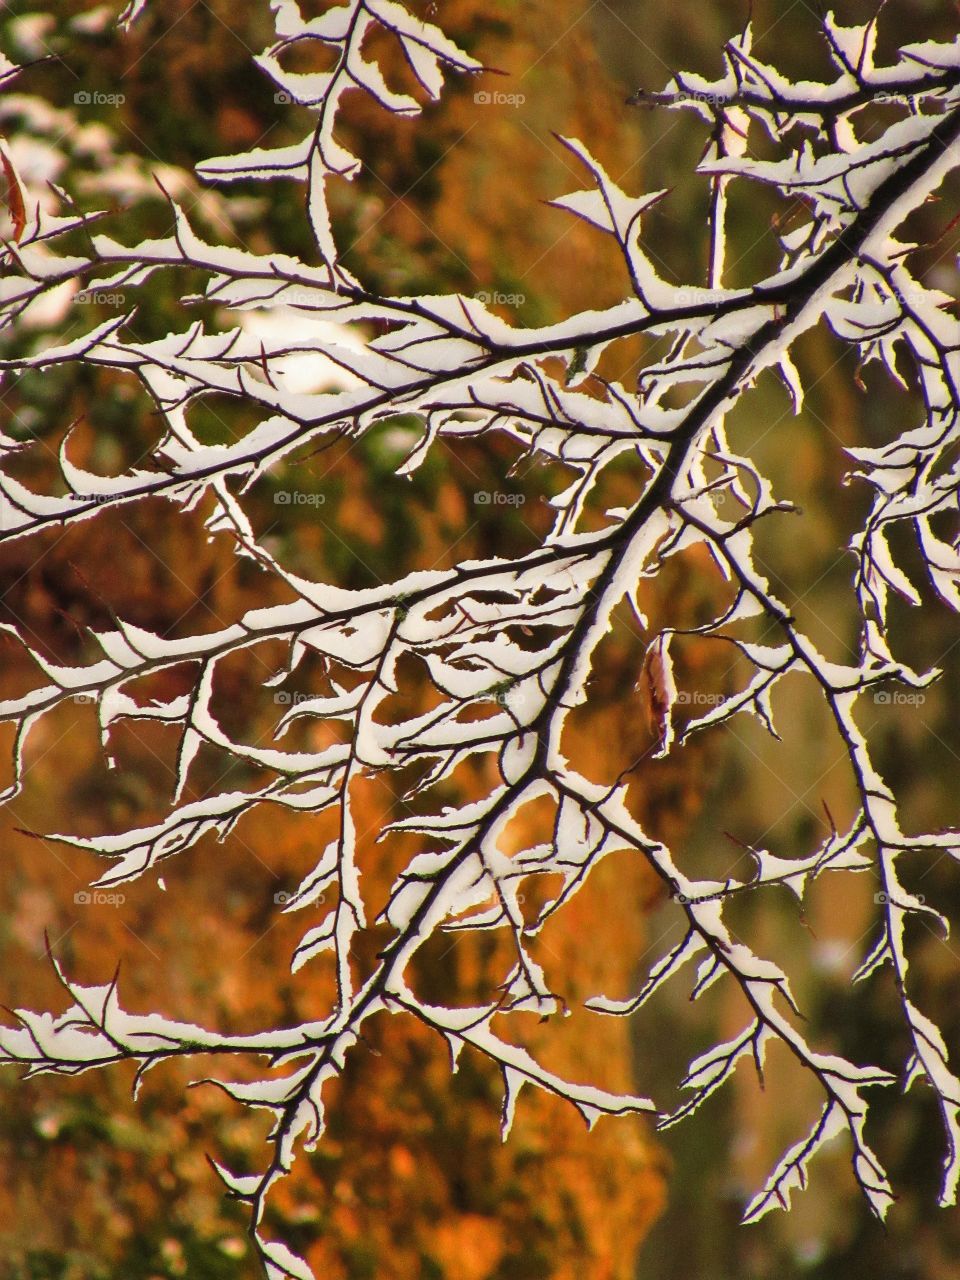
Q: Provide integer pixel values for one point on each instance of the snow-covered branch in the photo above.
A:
(507, 646)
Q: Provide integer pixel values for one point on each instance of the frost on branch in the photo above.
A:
(508, 645)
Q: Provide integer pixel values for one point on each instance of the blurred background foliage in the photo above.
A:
(412, 1180)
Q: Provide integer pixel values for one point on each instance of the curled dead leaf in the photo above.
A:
(13, 196)
(659, 689)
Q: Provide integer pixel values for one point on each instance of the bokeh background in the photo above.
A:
(412, 1180)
